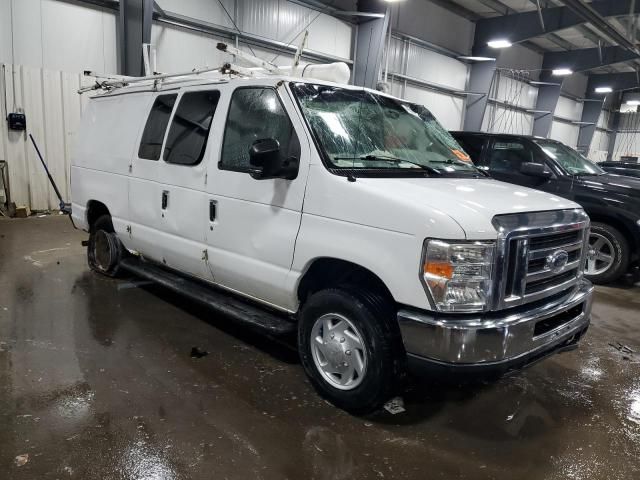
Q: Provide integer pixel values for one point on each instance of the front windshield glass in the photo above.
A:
(569, 159)
(358, 129)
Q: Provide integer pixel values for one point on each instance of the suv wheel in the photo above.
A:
(607, 254)
(104, 250)
(350, 348)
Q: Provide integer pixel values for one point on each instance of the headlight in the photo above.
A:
(458, 275)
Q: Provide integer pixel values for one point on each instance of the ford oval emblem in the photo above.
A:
(557, 261)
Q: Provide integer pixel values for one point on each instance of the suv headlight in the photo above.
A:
(458, 276)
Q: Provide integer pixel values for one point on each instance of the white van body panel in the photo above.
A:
(100, 164)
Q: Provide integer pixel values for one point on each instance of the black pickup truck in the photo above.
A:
(629, 169)
(612, 201)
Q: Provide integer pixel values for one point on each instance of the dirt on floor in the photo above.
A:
(99, 379)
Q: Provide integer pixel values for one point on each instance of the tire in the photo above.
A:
(381, 359)
(104, 250)
(608, 254)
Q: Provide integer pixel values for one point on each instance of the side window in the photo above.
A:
(156, 127)
(190, 126)
(472, 145)
(508, 156)
(256, 114)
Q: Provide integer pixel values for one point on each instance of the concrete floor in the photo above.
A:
(97, 382)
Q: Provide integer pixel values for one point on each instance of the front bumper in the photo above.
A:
(497, 339)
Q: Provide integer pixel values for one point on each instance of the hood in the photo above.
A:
(472, 203)
(458, 207)
(610, 183)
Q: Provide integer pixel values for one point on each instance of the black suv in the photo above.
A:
(612, 201)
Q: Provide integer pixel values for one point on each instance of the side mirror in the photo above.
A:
(535, 170)
(264, 157)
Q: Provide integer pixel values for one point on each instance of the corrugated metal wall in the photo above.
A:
(407, 58)
(52, 107)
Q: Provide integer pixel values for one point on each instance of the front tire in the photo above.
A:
(104, 250)
(607, 254)
(350, 348)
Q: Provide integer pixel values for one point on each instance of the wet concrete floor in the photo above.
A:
(97, 382)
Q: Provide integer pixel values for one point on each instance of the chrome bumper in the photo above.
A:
(495, 338)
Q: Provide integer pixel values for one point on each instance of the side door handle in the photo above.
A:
(165, 199)
(213, 207)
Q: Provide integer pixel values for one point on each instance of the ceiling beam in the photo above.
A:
(617, 81)
(457, 9)
(518, 27)
(587, 58)
(591, 15)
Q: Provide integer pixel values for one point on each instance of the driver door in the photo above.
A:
(254, 223)
(504, 159)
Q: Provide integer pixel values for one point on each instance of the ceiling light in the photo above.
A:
(476, 59)
(604, 90)
(499, 43)
(633, 102)
(562, 71)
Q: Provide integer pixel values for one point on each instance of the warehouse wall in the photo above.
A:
(567, 110)
(628, 137)
(510, 88)
(417, 62)
(57, 35)
(53, 108)
(435, 24)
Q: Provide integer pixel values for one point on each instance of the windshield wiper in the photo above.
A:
(395, 160)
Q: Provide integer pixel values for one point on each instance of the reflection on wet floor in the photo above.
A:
(97, 380)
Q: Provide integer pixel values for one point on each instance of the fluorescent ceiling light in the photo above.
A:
(499, 43)
(477, 59)
(561, 71)
(633, 102)
(604, 89)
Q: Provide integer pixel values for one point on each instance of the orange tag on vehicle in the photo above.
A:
(461, 155)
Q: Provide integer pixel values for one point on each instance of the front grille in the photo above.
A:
(541, 259)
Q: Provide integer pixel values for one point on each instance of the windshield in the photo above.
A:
(569, 159)
(357, 129)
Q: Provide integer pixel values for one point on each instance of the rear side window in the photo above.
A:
(190, 126)
(156, 127)
(256, 114)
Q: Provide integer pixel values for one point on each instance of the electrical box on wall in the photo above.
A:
(17, 121)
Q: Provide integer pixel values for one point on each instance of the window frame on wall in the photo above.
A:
(176, 108)
(248, 170)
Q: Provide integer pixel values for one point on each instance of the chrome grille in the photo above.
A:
(539, 254)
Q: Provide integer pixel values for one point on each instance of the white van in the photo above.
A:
(342, 213)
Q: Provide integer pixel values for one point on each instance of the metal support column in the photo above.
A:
(370, 44)
(614, 125)
(548, 95)
(480, 79)
(591, 111)
(134, 30)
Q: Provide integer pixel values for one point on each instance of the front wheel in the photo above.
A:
(607, 254)
(350, 348)
(104, 250)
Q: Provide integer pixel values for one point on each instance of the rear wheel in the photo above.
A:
(350, 348)
(607, 254)
(104, 250)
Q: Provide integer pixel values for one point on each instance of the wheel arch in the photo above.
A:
(619, 225)
(323, 272)
(95, 209)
